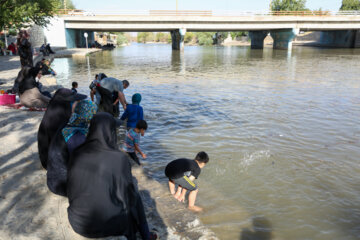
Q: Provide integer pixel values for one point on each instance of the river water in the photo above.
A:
(282, 130)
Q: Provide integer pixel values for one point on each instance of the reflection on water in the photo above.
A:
(281, 128)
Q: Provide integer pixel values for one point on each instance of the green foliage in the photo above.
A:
(2, 44)
(121, 39)
(162, 37)
(69, 4)
(350, 5)
(222, 35)
(205, 38)
(22, 13)
(235, 35)
(189, 37)
(288, 5)
(144, 37)
(169, 40)
(12, 32)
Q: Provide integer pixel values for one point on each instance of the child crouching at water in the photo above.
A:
(183, 172)
(132, 141)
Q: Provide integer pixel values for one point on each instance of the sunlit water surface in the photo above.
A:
(281, 128)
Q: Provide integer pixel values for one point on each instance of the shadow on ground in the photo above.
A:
(261, 230)
(23, 192)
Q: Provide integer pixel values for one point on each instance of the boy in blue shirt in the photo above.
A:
(132, 141)
(134, 112)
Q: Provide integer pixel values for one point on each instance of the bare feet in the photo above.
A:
(195, 208)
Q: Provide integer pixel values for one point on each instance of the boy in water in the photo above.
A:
(134, 112)
(132, 141)
(74, 87)
(183, 172)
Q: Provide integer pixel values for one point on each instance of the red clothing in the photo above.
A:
(12, 48)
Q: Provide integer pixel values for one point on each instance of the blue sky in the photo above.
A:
(241, 5)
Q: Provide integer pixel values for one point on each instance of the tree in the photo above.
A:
(350, 5)
(161, 37)
(189, 37)
(69, 4)
(235, 35)
(288, 5)
(144, 37)
(205, 38)
(23, 13)
(121, 39)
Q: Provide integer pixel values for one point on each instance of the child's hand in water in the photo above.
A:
(181, 198)
(143, 155)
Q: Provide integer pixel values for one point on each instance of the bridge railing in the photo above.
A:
(179, 13)
(205, 13)
(223, 13)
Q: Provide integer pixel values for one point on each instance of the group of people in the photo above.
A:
(77, 143)
(27, 84)
(78, 148)
(181, 172)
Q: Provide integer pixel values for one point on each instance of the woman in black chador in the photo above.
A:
(27, 87)
(103, 200)
(25, 49)
(57, 115)
(64, 142)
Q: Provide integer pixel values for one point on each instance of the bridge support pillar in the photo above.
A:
(257, 39)
(177, 37)
(357, 39)
(75, 38)
(283, 38)
(340, 38)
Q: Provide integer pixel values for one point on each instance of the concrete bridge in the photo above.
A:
(341, 28)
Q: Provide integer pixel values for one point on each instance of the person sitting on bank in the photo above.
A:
(46, 50)
(64, 143)
(103, 200)
(39, 85)
(132, 141)
(56, 117)
(74, 87)
(29, 93)
(44, 65)
(12, 48)
(104, 93)
(183, 172)
(134, 112)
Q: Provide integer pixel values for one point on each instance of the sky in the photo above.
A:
(240, 5)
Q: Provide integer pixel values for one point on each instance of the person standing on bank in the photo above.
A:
(104, 91)
(25, 49)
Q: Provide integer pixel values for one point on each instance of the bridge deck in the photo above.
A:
(210, 23)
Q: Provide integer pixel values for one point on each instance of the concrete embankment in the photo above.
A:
(28, 210)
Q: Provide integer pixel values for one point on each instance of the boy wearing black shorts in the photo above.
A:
(183, 172)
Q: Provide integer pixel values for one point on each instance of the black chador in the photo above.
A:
(103, 200)
(56, 117)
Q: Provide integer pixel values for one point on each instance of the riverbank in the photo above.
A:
(28, 210)
(10, 65)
